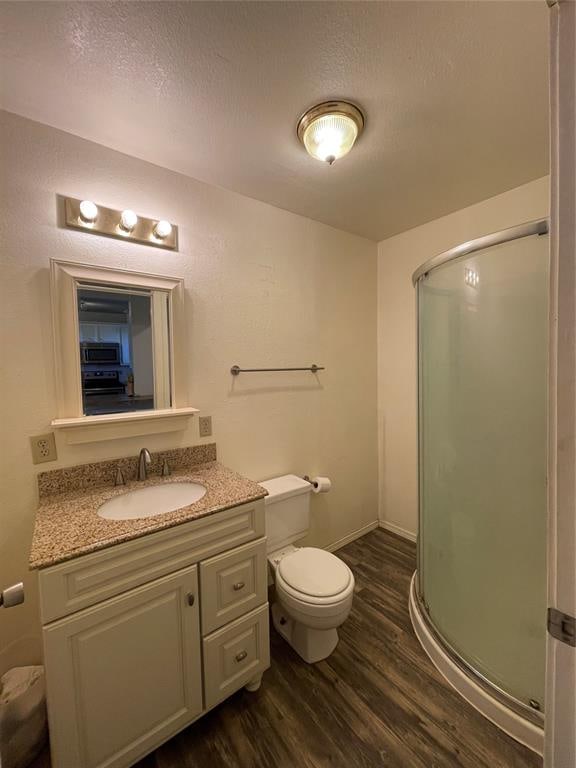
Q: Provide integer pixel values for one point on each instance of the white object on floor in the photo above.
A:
(23, 729)
(314, 588)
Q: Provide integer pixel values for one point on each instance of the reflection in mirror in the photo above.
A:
(124, 349)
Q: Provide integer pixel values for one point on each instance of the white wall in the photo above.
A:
(398, 257)
(141, 333)
(264, 288)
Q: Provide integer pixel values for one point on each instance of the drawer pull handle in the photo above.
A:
(191, 598)
(238, 586)
(241, 656)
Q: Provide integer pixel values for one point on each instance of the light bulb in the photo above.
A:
(128, 220)
(88, 211)
(329, 142)
(162, 229)
(330, 137)
(329, 130)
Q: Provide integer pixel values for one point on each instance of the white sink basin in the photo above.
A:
(152, 500)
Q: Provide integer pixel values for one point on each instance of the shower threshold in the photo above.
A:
(514, 718)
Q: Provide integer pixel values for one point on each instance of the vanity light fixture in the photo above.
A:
(88, 211)
(124, 224)
(128, 220)
(329, 130)
(162, 229)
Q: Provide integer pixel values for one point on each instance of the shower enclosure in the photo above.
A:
(478, 599)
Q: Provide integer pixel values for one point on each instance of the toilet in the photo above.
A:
(314, 588)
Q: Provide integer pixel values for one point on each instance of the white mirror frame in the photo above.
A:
(65, 279)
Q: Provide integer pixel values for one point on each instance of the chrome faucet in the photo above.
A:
(143, 461)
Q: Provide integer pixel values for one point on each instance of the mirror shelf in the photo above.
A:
(89, 429)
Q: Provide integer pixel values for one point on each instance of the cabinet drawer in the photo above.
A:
(232, 584)
(90, 579)
(235, 654)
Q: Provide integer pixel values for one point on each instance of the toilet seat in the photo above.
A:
(314, 577)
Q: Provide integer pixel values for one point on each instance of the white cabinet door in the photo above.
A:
(124, 675)
(110, 332)
(89, 332)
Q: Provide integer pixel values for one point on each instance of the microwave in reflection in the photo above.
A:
(101, 353)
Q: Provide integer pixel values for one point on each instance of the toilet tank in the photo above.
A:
(287, 510)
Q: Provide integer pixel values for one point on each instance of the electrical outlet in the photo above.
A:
(43, 448)
(205, 426)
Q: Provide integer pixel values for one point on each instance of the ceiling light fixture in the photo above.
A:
(329, 130)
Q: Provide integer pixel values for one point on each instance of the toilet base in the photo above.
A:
(312, 645)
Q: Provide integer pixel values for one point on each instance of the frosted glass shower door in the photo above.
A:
(482, 545)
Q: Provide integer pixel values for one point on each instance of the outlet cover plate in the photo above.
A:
(43, 448)
(205, 426)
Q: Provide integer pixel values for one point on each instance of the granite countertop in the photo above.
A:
(67, 523)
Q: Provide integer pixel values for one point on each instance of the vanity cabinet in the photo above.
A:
(125, 674)
(142, 638)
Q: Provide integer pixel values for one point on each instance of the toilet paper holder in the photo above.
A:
(319, 484)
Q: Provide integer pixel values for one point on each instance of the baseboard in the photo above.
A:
(352, 536)
(397, 530)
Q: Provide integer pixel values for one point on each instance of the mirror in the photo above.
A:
(120, 351)
(122, 369)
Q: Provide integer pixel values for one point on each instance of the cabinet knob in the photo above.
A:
(190, 597)
(238, 586)
(241, 656)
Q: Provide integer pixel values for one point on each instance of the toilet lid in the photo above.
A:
(314, 572)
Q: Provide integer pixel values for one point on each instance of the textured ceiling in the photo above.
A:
(455, 95)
